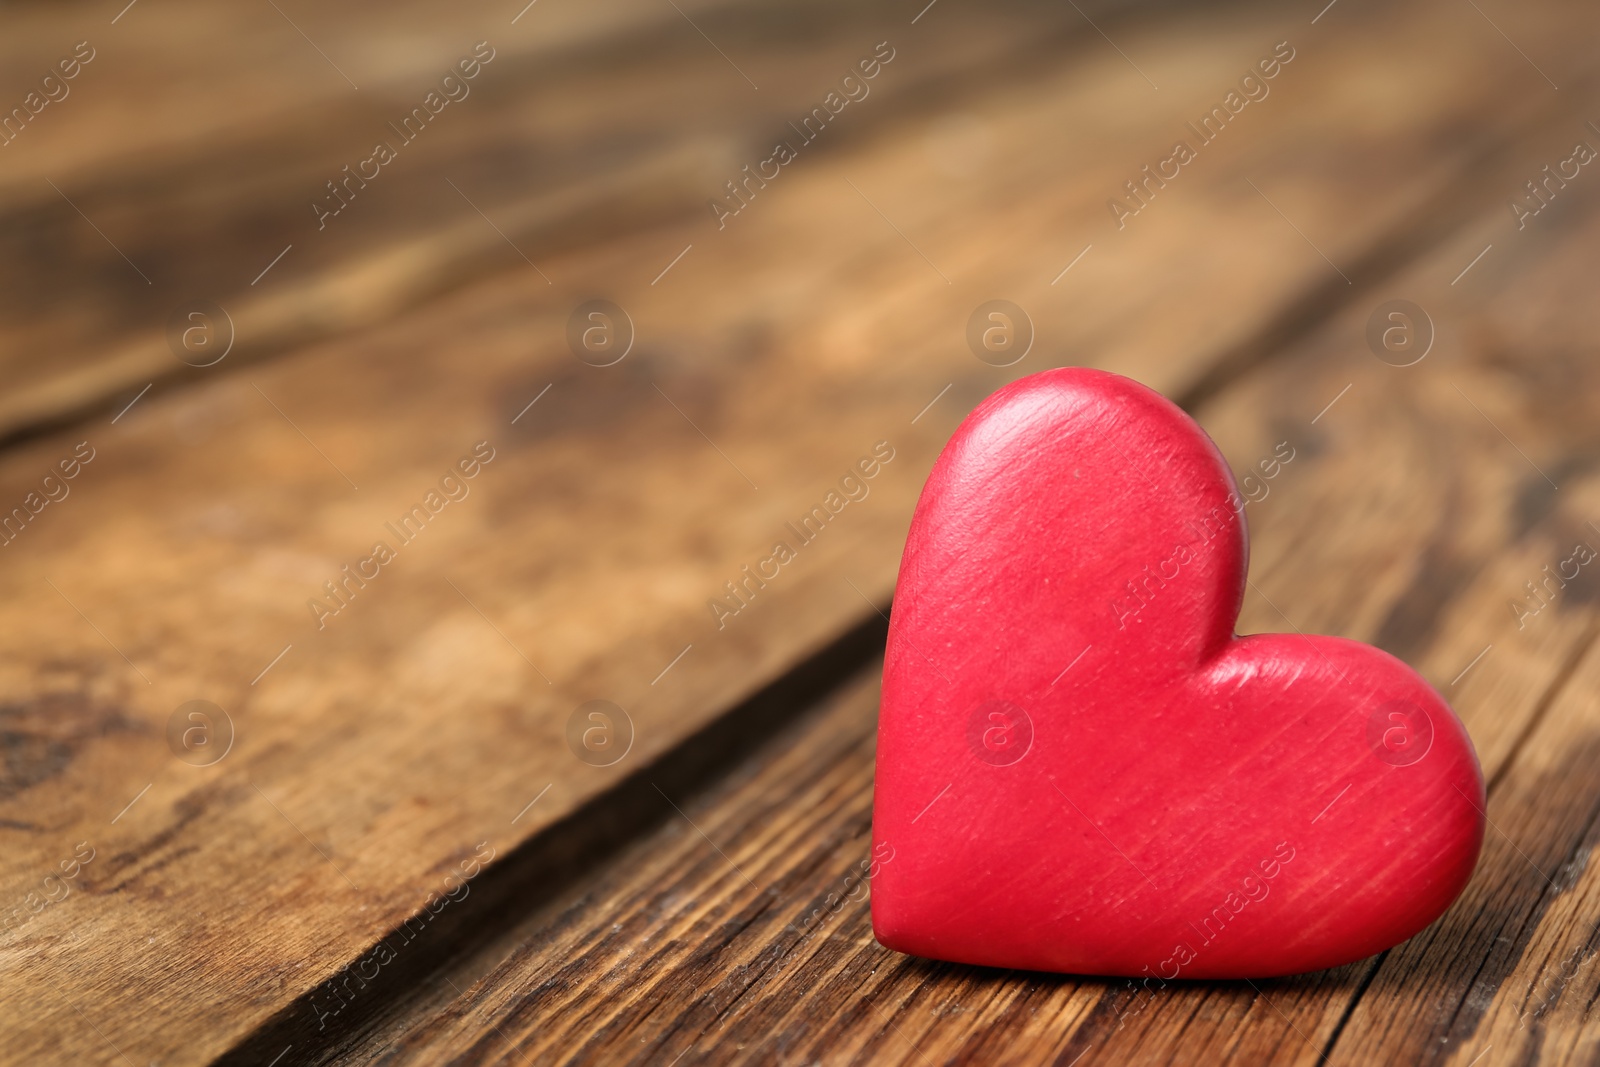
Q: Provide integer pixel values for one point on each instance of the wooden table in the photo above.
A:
(381, 839)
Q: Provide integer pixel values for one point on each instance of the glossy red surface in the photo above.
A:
(1082, 769)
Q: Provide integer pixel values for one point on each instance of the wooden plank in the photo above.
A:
(692, 934)
(204, 218)
(208, 517)
(552, 141)
(1543, 989)
(1430, 482)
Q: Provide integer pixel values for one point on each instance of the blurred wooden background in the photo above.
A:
(382, 839)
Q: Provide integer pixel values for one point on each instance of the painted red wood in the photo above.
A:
(1082, 769)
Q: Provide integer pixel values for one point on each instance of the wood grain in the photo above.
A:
(1430, 481)
(373, 758)
(154, 222)
(505, 179)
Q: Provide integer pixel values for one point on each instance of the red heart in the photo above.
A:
(1082, 769)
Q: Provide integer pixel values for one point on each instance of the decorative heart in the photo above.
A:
(1082, 769)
